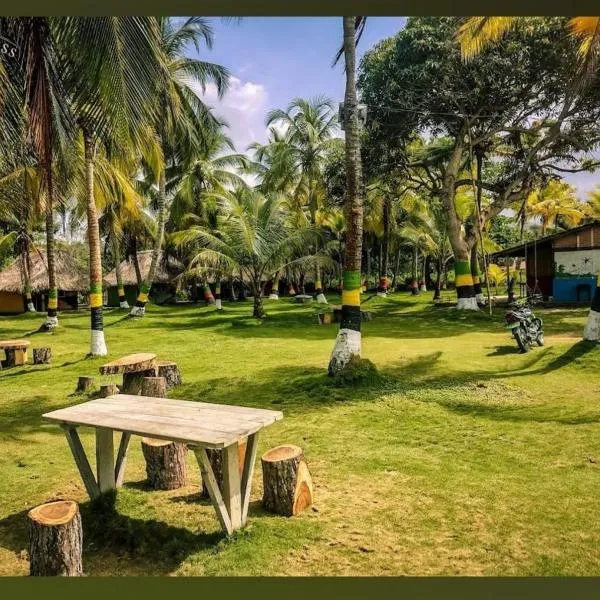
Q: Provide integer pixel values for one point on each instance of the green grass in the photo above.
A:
(461, 456)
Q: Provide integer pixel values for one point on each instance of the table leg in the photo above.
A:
(121, 458)
(105, 459)
(82, 462)
(232, 485)
(246, 485)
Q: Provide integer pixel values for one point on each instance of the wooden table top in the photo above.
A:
(9, 344)
(196, 423)
(129, 364)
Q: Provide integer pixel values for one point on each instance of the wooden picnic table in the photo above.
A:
(16, 351)
(200, 425)
(131, 363)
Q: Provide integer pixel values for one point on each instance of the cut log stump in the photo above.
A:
(170, 371)
(325, 318)
(42, 356)
(215, 456)
(165, 463)
(155, 387)
(84, 384)
(287, 484)
(132, 382)
(56, 539)
(108, 389)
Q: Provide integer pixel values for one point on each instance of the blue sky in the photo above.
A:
(275, 59)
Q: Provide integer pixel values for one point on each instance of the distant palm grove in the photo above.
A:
(455, 139)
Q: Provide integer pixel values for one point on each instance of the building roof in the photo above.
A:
(519, 250)
(166, 271)
(71, 276)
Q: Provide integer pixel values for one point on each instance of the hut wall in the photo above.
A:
(11, 303)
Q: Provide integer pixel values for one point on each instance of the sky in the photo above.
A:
(275, 59)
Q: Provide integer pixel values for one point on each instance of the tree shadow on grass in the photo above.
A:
(109, 537)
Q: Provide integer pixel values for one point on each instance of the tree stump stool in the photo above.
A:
(287, 484)
(170, 371)
(132, 382)
(165, 463)
(56, 539)
(325, 318)
(84, 383)
(215, 456)
(42, 356)
(108, 389)
(155, 387)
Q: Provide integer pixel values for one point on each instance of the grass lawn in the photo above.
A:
(464, 457)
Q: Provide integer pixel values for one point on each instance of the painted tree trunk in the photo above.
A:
(208, 295)
(396, 270)
(98, 345)
(423, 285)
(476, 274)
(465, 292)
(348, 342)
(383, 280)
(120, 289)
(438, 280)
(414, 284)
(218, 302)
(258, 311)
(26, 270)
(136, 265)
(591, 331)
(140, 305)
(233, 297)
(274, 295)
(52, 314)
(321, 299)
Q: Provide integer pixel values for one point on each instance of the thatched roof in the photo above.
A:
(166, 271)
(70, 275)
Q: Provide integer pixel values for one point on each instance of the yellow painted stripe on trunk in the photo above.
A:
(464, 280)
(95, 300)
(121, 291)
(143, 298)
(318, 284)
(351, 297)
(476, 279)
(52, 302)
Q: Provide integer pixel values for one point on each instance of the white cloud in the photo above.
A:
(243, 107)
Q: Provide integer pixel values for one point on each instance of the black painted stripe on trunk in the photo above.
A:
(477, 288)
(465, 291)
(350, 317)
(52, 312)
(97, 321)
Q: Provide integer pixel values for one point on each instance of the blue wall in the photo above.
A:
(565, 288)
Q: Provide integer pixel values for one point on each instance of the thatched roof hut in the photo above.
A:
(70, 275)
(166, 271)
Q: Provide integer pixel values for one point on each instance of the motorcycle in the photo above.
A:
(525, 326)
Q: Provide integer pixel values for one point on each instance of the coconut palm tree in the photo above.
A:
(253, 239)
(182, 116)
(348, 341)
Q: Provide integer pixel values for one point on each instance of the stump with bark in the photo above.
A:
(155, 387)
(42, 356)
(56, 539)
(165, 463)
(170, 371)
(84, 384)
(108, 389)
(215, 456)
(132, 382)
(287, 484)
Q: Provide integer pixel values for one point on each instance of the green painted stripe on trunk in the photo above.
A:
(352, 280)
(462, 267)
(144, 289)
(95, 288)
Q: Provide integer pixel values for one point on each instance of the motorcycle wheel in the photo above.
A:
(539, 338)
(521, 337)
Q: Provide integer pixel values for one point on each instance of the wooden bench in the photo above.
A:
(134, 368)
(200, 425)
(16, 352)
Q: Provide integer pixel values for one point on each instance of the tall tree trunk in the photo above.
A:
(476, 275)
(26, 270)
(438, 280)
(98, 345)
(383, 278)
(140, 306)
(348, 342)
(591, 331)
(120, 289)
(274, 294)
(396, 270)
(136, 264)
(414, 284)
(423, 286)
(321, 299)
(258, 310)
(52, 314)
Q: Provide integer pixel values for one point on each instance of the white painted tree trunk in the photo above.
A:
(138, 311)
(382, 294)
(423, 287)
(591, 331)
(51, 323)
(347, 344)
(467, 304)
(218, 304)
(124, 304)
(321, 299)
(30, 306)
(98, 343)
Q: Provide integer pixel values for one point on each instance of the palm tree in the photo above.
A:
(348, 341)
(182, 113)
(297, 159)
(253, 239)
